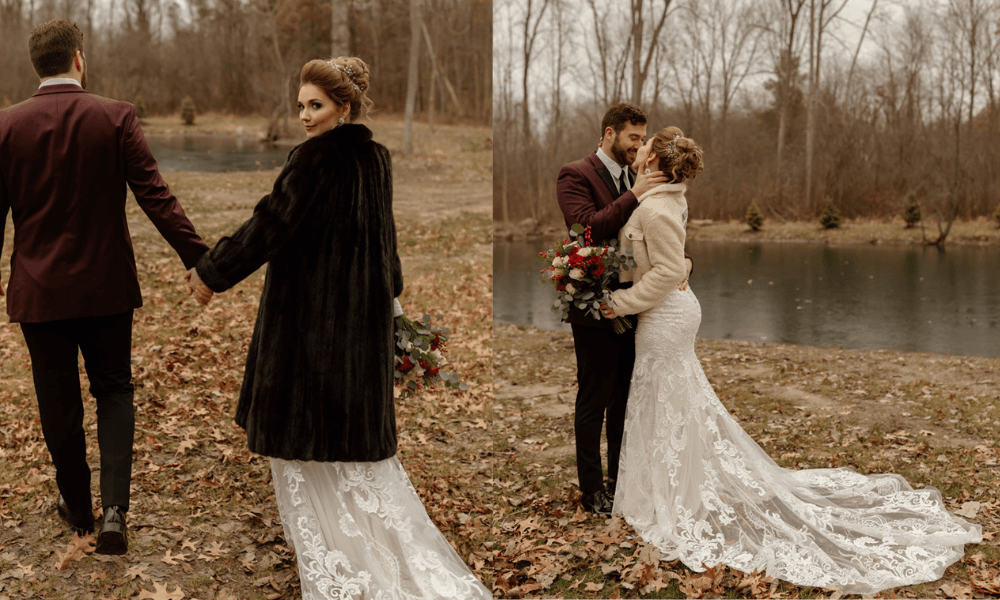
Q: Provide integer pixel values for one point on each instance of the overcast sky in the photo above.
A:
(839, 45)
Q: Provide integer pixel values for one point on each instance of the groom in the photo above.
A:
(65, 157)
(601, 191)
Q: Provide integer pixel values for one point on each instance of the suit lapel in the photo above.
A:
(606, 177)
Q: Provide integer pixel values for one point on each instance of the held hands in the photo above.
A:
(607, 311)
(647, 181)
(197, 287)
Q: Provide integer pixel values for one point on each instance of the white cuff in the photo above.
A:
(397, 308)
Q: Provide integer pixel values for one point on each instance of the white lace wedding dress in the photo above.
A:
(360, 532)
(696, 486)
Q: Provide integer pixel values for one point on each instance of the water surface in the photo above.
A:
(215, 153)
(857, 296)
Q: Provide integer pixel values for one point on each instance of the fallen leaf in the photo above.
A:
(77, 548)
(160, 593)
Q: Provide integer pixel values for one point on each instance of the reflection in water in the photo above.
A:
(199, 152)
(866, 297)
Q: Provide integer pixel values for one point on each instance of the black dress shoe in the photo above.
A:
(597, 502)
(81, 523)
(611, 486)
(113, 537)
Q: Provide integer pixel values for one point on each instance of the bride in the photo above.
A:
(696, 486)
(317, 394)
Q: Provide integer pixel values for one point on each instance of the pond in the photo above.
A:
(858, 296)
(216, 153)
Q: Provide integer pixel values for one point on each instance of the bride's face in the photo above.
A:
(317, 111)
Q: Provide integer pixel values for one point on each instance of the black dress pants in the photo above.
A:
(604, 361)
(106, 344)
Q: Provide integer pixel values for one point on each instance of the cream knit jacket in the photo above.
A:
(655, 233)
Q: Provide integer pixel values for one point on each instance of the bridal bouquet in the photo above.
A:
(419, 347)
(581, 272)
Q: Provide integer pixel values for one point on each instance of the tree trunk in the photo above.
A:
(340, 32)
(412, 78)
(637, 26)
(810, 107)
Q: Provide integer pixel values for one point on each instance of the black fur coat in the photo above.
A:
(319, 375)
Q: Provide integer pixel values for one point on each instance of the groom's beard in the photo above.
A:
(620, 154)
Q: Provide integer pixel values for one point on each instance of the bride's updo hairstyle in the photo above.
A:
(344, 79)
(680, 157)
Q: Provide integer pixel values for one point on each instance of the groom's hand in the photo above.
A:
(607, 311)
(197, 287)
(647, 181)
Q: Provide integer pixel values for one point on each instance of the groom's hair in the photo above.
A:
(52, 46)
(619, 114)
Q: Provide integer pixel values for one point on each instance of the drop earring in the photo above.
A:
(340, 121)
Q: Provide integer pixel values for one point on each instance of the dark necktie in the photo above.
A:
(623, 184)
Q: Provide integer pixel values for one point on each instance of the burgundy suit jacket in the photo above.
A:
(65, 158)
(588, 195)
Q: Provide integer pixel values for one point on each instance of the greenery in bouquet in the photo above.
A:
(419, 357)
(581, 272)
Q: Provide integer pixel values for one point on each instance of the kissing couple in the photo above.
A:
(681, 470)
(317, 392)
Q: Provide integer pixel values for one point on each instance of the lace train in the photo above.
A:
(360, 532)
(695, 485)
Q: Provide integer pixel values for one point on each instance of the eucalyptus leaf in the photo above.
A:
(577, 228)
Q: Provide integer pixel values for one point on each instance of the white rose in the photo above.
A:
(585, 252)
(576, 274)
(570, 288)
(559, 262)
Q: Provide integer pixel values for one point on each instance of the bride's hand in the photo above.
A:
(607, 311)
(647, 181)
(684, 282)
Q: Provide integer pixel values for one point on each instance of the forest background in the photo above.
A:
(871, 105)
(244, 56)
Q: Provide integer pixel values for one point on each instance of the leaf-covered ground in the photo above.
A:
(933, 419)
(203, 521)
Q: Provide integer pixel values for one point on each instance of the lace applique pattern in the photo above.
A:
(360, 531)
(694, 484)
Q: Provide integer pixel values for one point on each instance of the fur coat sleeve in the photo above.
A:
(319, 375)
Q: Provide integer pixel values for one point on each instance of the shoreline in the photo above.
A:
(773, 344)
(976, 232)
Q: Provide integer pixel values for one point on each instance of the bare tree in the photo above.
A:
(739, 42)
(608, 53)
(641, 62)
(782, 22)
(340, 32)
(534, 14)
(821, 14)
(412, 80)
